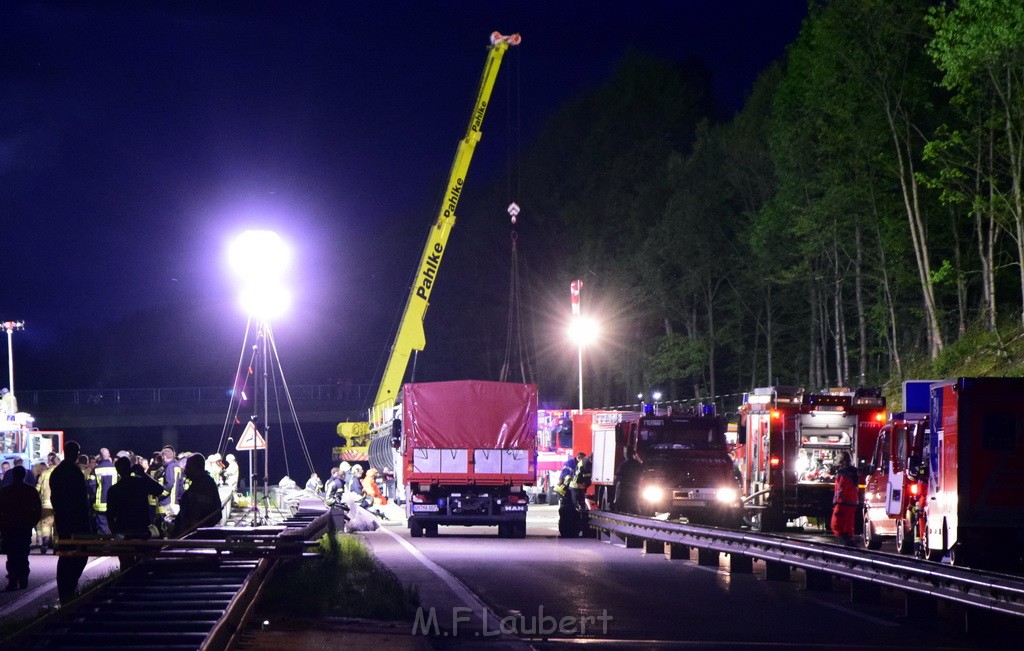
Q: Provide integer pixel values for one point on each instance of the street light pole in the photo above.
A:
(582, 331)
(580, 348)
(10, 327)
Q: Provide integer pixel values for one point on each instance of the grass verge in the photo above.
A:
(346, 580)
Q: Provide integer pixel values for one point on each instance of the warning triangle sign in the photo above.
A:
(251, 439)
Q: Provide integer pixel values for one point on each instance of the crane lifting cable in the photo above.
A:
(515, 346)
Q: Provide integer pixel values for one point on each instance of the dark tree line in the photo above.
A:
(861, 212)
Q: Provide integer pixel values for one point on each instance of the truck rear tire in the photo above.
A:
(518, 530)
(904, 536)
(871, 540)
(430, 530)
(415, 528)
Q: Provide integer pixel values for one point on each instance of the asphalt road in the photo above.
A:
(577, 591)
(41, 593)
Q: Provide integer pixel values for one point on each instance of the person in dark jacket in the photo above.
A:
(20, 510)
(627, 483)
(70, 498)
(30, 478)
(128, 504)
(845, 500)
(202, 499)
(128, 500)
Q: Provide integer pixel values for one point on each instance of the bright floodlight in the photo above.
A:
(265, 301)
(259, 256)
(583, 331)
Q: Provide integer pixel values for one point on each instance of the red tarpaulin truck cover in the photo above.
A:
(470, 414)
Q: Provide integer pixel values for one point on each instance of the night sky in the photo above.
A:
(138, 138)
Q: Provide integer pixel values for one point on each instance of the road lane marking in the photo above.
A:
(38, 591)
(467, 596)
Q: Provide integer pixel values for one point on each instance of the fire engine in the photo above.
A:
(19, 438)
(792, 440)
(679, 468)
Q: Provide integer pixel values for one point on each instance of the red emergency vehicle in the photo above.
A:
(678, 465)
(974, 508)
(792, 440)
(896, 482)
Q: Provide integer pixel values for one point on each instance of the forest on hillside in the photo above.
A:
(860, 213)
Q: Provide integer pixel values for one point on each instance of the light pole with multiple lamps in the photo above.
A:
(10, 327)
(260, 258)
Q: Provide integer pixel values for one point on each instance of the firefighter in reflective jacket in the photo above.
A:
(173, 483)
(580, 481)
(565, 476)
(103, 477)
(845, 500)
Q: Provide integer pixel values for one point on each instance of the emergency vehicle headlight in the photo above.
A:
(727, 495)
(653, 493)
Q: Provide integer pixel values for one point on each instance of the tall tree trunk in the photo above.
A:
(837, 340)
(1011, 113)
(901, 134)
(987, 236)
(769, 336)
(812, 357)
(862, 321)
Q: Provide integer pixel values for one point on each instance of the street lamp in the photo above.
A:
(583, 331)
(10, 327)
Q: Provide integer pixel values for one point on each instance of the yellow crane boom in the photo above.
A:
(410, 334)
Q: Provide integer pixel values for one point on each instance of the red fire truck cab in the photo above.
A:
(792, 441)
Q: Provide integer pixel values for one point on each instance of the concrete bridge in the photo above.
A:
(185, 406)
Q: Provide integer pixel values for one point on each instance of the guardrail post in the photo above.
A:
(653, 546)
(864, 592)
(707, 557)
(740, 564)
(776, 571)
(988, 623)
(920, 606)
(817, 581)
(616, 538)
(677, 552)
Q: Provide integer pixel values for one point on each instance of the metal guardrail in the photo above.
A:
(996, 593)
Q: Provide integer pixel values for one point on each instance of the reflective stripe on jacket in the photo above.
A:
(103, 476)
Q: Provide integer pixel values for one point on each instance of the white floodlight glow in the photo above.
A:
(259, 256)
(265, 301)
(656, 395)
(583, 331)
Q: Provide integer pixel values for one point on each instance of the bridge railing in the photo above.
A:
(349, 393)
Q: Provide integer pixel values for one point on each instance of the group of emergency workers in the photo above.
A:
(165, 468)
(349, 480)
(129, 496)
